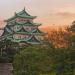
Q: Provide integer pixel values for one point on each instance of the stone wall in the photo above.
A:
(6, 69)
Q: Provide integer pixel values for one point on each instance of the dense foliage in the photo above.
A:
(37, 60)
(46, 59)
(41, 59)
(7, 50)
(33, 60)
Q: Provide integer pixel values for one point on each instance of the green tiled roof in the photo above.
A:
(12, 18)
(22, 30)
(34, 42)
(37, 31)
(28, 23)
(24, 14)
(18, 32)
(33, 32)
(33, 39)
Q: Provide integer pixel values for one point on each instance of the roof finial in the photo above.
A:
(24, 8)
(15, 13)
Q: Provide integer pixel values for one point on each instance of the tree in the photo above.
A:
(71, 48)
(7, 50)
(71, 30)
(33, 60)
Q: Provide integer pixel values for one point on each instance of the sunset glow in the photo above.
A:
(49, 12)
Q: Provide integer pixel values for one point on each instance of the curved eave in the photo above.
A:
(34, 42)
(24, 41)
(29, 17)
(23, 12)
(19, 40)
(27, 24)
(37, 24)
(29, 33)
(12, 18)
(37, 31)
(21, 33)
(15, 40)
(41, 34)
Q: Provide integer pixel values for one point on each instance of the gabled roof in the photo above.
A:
(33, 40)
(37, 31)
(22, 30)
(24, 14)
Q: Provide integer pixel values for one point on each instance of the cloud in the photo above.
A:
(66, 14)
(58, 18)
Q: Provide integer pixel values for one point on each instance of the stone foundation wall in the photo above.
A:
(6, 68)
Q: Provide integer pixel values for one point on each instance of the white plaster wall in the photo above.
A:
(29, 28)
(17, 27)
(20, 36)
(22, 19)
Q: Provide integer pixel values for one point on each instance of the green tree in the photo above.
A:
(70, 51)
(33, 60)
(64, 62)
(7, 50)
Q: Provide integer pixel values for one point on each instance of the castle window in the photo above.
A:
(19, 37)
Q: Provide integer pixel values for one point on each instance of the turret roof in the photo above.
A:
(22, 14)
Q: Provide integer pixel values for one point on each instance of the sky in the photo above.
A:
(48, 12)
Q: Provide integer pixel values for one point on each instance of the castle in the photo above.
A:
(21, 28)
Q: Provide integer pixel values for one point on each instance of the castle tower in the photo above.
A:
(21, 28)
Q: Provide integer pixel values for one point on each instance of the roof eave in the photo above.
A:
(31, 17)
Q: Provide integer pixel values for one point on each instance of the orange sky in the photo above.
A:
(49, 12)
